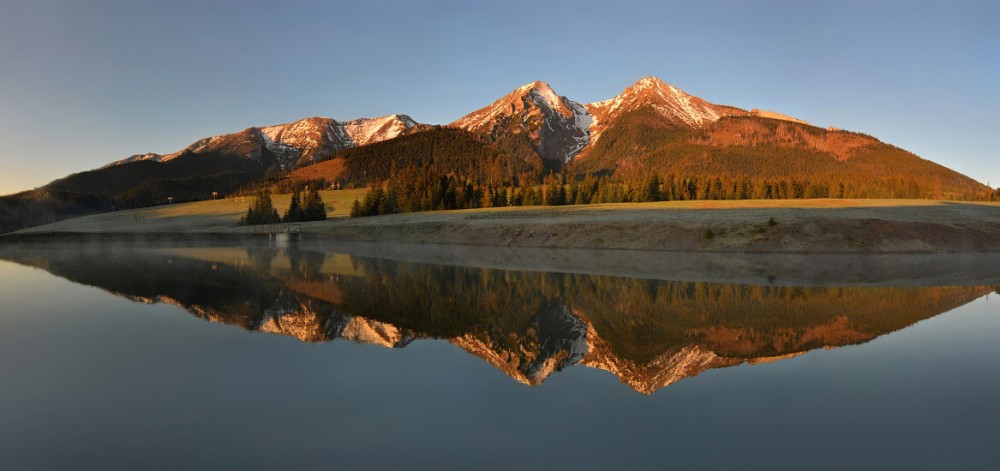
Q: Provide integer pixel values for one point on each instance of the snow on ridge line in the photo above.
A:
(589, 119)
(364, 131)
(554, 101)
(276, 137)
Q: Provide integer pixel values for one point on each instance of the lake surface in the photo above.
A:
(376, 357)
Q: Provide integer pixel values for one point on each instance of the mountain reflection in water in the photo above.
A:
(529, 324)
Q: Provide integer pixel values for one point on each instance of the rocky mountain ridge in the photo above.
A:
(559, 127)
(295, 144)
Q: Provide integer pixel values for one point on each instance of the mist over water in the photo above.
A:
(161, 357)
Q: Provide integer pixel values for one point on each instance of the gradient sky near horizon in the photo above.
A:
(83, 83)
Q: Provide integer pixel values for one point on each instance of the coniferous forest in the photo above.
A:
(446, 169)
(262, 211)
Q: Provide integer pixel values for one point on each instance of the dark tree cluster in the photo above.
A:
(261, 211)
(438, 152)
(309, 209)
(148, 183)
(42, 206)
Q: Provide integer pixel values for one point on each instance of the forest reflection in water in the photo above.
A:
(529, 324)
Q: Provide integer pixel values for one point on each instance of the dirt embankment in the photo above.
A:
(796, 226)
(890, 229)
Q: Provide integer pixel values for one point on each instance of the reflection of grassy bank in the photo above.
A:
(860, 226)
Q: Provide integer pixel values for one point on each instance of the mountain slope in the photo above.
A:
(765, 151)
(556, 127)
(673, 107)
(652, 127)
(437, 151)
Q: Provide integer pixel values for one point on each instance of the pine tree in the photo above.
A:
(294, 212)
(262, 211)
(313, 208)
(652, 188)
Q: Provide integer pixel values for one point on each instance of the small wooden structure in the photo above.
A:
(280, 235)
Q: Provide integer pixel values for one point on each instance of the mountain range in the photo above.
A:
(650, 127)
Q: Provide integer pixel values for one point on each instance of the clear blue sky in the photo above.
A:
(83, 83)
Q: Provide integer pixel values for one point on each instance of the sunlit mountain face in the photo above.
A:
(650, 333)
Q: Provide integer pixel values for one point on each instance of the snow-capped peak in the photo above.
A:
(531, 85)
(545, 91)
(556, 125)
(363, 131)
(664, 99)
(649, 82)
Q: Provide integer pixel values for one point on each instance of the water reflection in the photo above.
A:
(529, 324)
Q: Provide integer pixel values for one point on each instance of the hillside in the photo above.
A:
(765, 152)
(439, 151)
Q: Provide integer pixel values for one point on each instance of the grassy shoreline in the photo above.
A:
(753, 226)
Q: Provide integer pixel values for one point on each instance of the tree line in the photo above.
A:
(445, 192)
(262, 211)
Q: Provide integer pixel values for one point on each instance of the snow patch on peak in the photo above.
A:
(295, 143)
(362, 330)
(550, 96)
(135, 158)
(542, 94)
(648, 82)
(666, 100)
(686, 107)
(294, 129)
(776, 115)
(536, 85)
(364, 131)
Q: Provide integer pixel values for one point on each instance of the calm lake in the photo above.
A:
(364, 357)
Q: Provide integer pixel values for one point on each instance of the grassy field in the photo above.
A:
(819, 225)
(202, 216)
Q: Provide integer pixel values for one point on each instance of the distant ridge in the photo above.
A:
(294, 144)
